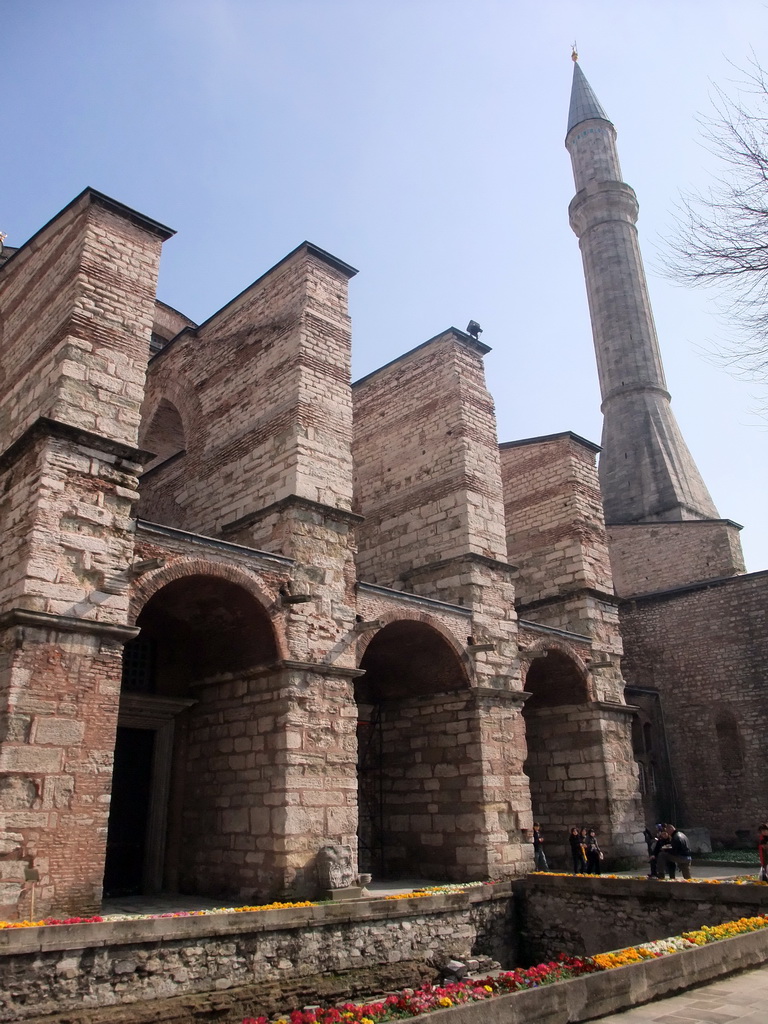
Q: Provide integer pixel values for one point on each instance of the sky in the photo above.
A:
(422, 142)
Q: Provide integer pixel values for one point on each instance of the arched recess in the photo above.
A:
(190, 680)
(565, 762)
(418, 813)
(164, 436)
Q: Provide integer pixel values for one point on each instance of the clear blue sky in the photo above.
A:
(419, 140)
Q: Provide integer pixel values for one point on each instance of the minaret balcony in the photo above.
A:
(602, 201)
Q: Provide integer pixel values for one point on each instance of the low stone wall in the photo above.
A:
(582, 915)
(595, 995)
(222, 966)
(225, 966)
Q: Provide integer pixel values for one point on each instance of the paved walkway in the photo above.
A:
(168, 902)
(742, 999)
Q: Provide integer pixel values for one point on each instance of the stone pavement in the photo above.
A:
(742, 998)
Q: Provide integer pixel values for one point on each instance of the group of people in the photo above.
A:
(585, 850)
(668, 850)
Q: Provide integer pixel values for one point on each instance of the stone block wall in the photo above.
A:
(269, 777)
(657, 556)
(704, 649)
(262, 391)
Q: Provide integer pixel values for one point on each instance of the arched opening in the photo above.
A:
(565, 764)
(418, 812)
(165, 435)
(185, 729)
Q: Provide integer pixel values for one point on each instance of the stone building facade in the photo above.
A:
(249, 609)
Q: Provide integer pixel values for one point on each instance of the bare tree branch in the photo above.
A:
(722, 232)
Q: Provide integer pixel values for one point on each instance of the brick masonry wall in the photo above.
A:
(657, 556)
(554, 517)
(262, 389)
(705, 650)
(293, 956)
(60, 694)
(426, 461)
(78, 305)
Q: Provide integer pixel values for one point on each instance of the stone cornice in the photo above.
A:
(401, 595)
(599, 595)
(447, 563)
(293, 501)
(44, 427)
(66, 624)
(540, 627)
(145, 528)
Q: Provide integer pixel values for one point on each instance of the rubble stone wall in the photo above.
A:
(584, 916)
(277, 954)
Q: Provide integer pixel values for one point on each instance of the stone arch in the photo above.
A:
(565, 762)
(562, 653)
(194, 681)
(151, 582)
(165, 435)
(417, 733)
(173, 388)
(424, 618)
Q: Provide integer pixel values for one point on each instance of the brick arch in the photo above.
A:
(387, 618)
(153, 582)
(566, 650)
(180, 392)
(577, 662)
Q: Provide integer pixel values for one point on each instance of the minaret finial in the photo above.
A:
(574, 51)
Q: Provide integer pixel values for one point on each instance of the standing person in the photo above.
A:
(679, 851)
(594, 853)
(762, 850)
(577, 852)
(539, 857)
(660, 865)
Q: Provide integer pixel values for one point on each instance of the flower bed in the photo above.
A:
(414, 1002)
(150, 917)
(736, 880)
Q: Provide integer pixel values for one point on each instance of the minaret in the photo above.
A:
(647, 473)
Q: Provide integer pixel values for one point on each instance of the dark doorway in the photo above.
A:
(129, 812)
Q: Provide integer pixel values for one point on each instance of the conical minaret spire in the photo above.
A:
(646, 471)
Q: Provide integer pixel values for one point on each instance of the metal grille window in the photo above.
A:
(139, 665)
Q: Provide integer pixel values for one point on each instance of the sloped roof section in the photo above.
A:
(584, 104)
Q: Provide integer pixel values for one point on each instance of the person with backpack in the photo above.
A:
(678, 852)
